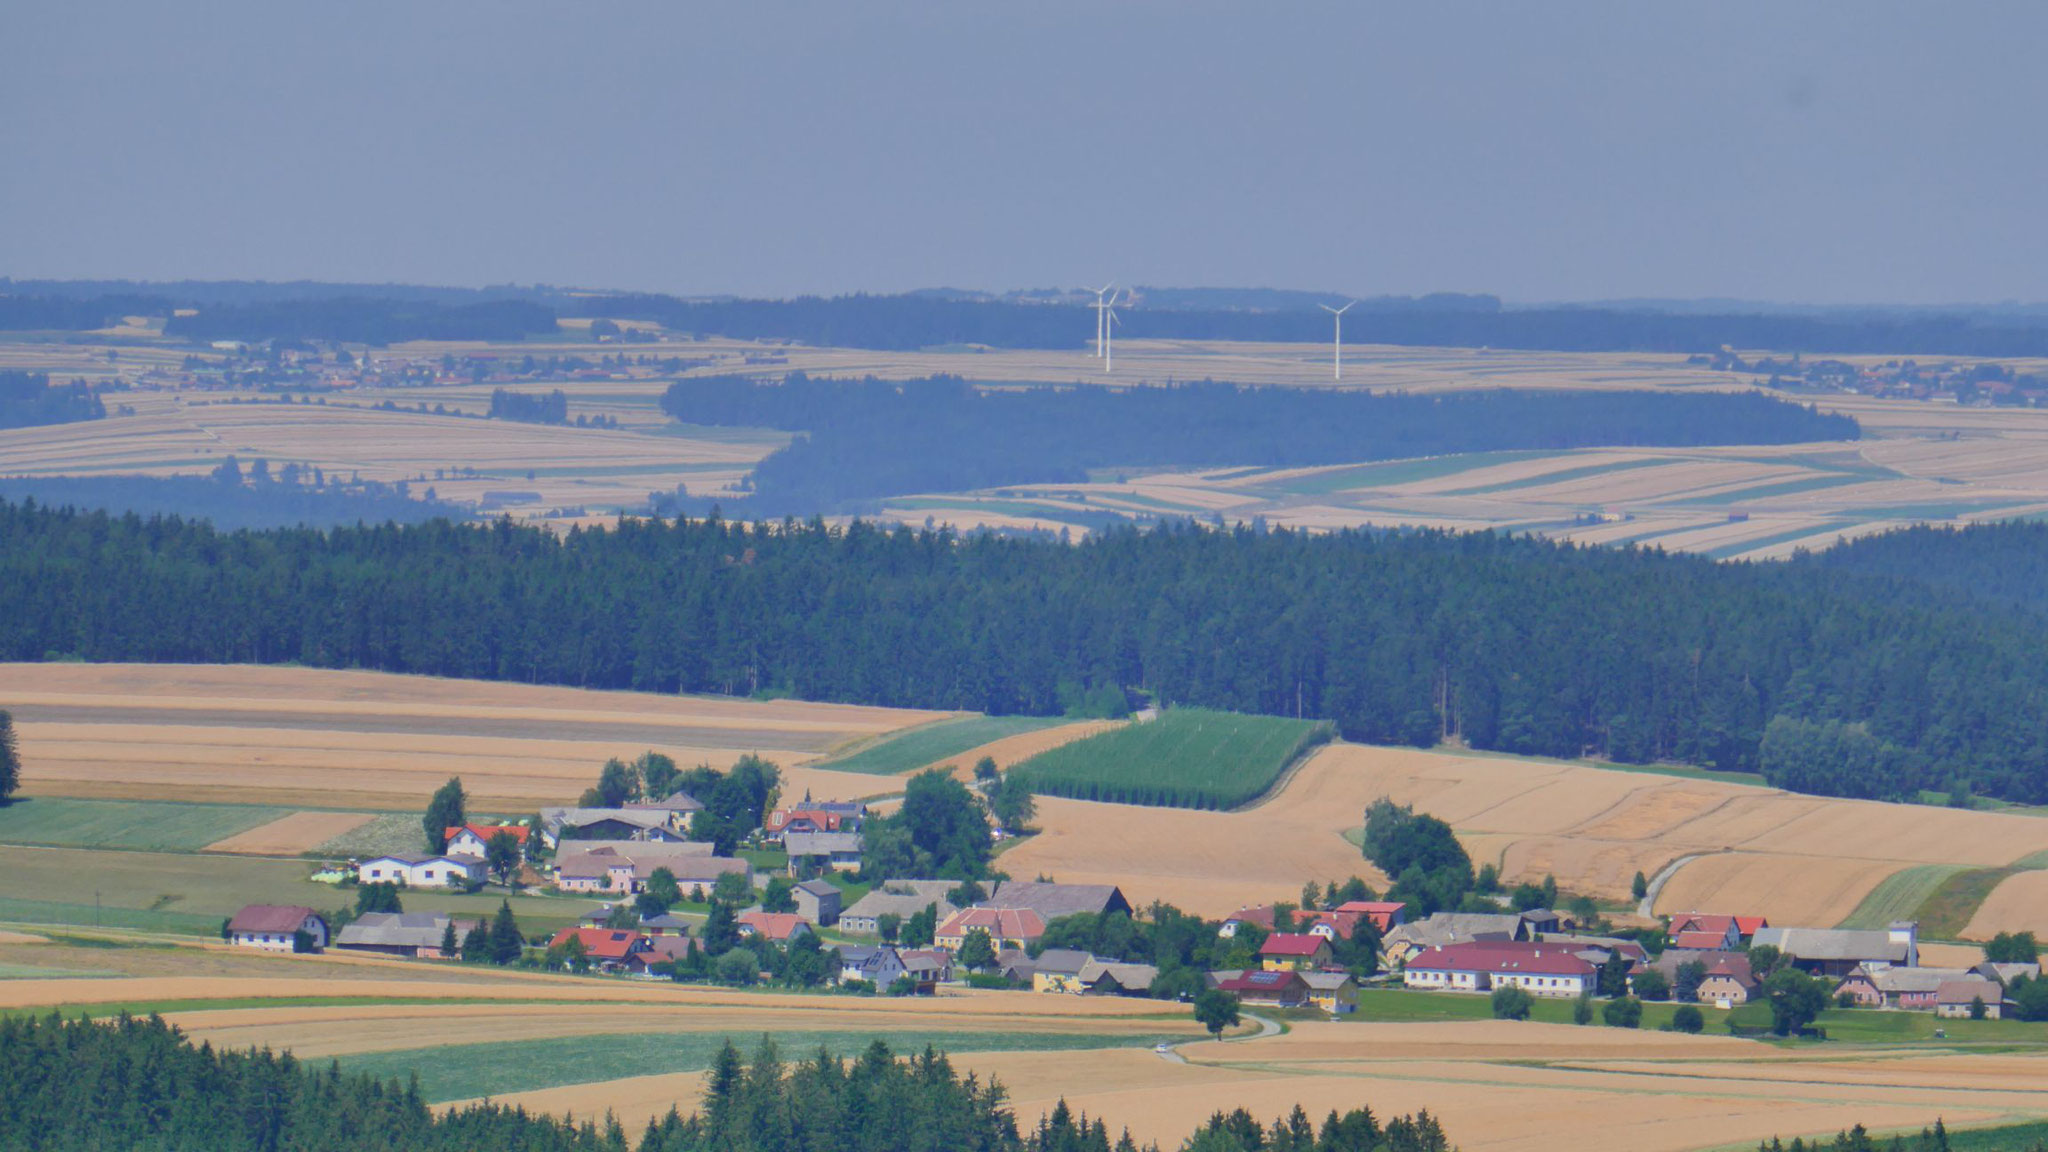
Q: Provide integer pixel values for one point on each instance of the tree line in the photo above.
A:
(1509, 643)
(78, 1085)
(29, 400)
(870, 438)
(364, 320)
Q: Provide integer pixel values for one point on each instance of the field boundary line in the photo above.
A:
(1288, 772)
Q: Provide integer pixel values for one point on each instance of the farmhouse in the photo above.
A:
(1333, 992)
(558, 824)
(1052, 901)
(468, 840)
(1481, 966)
(809, 817)
(1385, 915)
(1261, 915)
(606, 948)
(626, 867)
(1958, 999)
(900, 898)
(878, 964)
(777, 926)
(927, 968)
(416, 934)
(416, 871)
(1729, 981)
(1286, 989)
(818, 902)
(1706, 933)
(1334, 925)
(1006, 927)
(1114, 978)
(809, 851)
(1837, 952)
(272, 927)
(1885, 986)
(1295, 950)
(1059, 970)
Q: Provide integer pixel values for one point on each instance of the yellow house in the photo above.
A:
(1283, 951)
(1059, 970)
(1333, 992)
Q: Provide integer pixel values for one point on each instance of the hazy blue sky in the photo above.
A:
(1853, 151)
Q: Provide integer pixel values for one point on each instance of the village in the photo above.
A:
(794, 907)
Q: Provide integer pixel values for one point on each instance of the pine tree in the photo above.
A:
(506, 943)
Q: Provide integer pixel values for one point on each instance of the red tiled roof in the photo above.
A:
(1292, 944)
(1502, 956)
(484, 832)
(270, 918)
(1372, 907)
(601, 943)
(1748, 925)
(1262, 915)
(774, 925)
(1257, 981)
(999, 923)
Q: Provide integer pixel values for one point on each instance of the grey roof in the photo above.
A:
(650, 849)
(2006, 973)
(1326, 981)
(1834, 944)
(820, 843)
(1139, 976)
(1438, 929)
(818, 887)
(1895, 981)
(578, 817)
(399, 930)
(412, 859)
(1063, 961)
(1052, 901)
(1967, 989)
(679, 802)
(905, 898)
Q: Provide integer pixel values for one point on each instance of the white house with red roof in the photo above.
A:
(471, 839)
(1706, 932)
(608, 948)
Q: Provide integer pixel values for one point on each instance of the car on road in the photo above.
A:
(1163, 1048)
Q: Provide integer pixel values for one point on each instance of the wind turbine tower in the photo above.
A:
(1109, 333)
(1337, 350)
(1101, 324)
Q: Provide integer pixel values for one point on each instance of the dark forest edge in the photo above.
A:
(29, 400)
(79, 1085)
(382, 314)
(1510, 644)
(870, 438)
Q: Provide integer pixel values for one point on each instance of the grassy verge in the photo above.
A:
(1948, 908)
(939, 740)
(465, 1071)
(1187, 758)
(1900, 895)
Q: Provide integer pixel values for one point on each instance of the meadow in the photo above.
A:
(165, 826)
(1183, 758)
(930, 743)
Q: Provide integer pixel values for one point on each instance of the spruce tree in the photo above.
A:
(505, 941)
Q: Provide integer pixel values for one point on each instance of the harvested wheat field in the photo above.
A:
(1525, 1087)
(1013, 750)
(300, 736)
(292, 835)
(1795, 859)
(2018, 904)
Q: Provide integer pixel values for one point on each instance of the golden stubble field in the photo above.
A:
(369, 740)
(1744, 849)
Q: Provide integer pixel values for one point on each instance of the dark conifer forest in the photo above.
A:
(871, 438)
(1513, 644)
(27, 400)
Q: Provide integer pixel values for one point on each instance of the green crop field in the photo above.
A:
(1900, 895)
(1186, 758)
(939, 740)
(466, 1071)
(159, 826)
(391, 832)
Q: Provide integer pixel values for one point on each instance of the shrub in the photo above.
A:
(1688, 1019)
(1510, 1003)
(1582, 1010)
(1626, 1012)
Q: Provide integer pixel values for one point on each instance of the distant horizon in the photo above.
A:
(10, 284)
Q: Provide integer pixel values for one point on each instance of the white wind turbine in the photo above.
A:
(1109, 332)
(1337, 351)
(1101, 325)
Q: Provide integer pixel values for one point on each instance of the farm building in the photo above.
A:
(1837, 951)
(1059, 970)
(559, 824)
(1441, 929)
(469, 839)
(273, 927)
(1052, 901)
(1729, 981)
(1706, 933)
(1958, 999)
(1885, 986)
(415, 934)
(818, 902)
(682, 804)
(1481, 966)
(808, 851)
(626, 867)
(1385, 915)
(1296, 950)
(1260, 915)
(900, 898)
(1006, 927)
(927, 968)
(420, 871)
